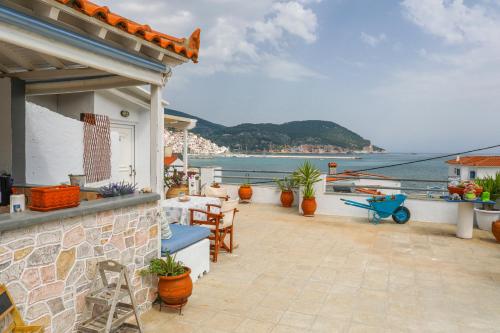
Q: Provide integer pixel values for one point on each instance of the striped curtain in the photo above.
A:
(96, 147)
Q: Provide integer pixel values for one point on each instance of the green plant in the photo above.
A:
(306, 176)
(172, 177)
(490, 184)
(286, 184)
(164, 267)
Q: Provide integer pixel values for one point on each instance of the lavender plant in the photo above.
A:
(117, 189)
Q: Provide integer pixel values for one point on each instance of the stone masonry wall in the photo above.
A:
(48, 268)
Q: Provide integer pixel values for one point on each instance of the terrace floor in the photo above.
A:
(335, 274)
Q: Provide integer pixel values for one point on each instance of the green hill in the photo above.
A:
(260, 137)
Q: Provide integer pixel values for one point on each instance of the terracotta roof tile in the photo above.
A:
(168, 160)
(188, 48)
(482, 161)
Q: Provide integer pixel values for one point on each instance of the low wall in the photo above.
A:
(48, 267)
(422, 210)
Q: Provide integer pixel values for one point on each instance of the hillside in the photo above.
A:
(319, 134)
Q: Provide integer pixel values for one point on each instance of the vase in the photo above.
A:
(174, 291)
(309, 206)
(286, 198)
(245, 193)
(485, 218)
(174, 191)
(495, 229)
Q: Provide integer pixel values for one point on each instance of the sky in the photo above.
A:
(409, 75)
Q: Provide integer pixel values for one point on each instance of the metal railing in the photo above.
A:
(263, 177)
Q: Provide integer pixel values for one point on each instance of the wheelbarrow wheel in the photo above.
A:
(401, 215)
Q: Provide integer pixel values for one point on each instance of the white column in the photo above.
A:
(185, 153)
(156, 141)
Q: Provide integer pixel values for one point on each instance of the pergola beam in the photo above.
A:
(16, 58)
(66, 87)
(59, 74)
(53, 61)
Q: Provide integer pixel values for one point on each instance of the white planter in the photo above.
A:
(484, 218)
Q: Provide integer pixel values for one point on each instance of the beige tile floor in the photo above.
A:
(336, 274)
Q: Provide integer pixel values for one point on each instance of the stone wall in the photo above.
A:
(48, 268)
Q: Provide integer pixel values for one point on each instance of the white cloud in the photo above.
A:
(372, 40)
(283, 69)
(238, 36)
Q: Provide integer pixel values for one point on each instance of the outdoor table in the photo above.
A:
(178, 211)
(465, 221)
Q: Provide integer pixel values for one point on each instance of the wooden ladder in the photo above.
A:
(108, 311)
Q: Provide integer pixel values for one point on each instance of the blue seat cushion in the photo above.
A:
(182, 237)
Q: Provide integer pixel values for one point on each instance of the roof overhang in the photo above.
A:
(180, 123)
(54, 57)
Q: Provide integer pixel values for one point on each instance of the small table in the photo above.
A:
(465, 222)
(178, 211)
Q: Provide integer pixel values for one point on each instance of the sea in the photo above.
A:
(428, 170)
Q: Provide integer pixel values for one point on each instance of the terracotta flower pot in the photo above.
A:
(245, 192)
(173, 191)
(495, 229)
(286, 198)
(309, 206)
(175, 290)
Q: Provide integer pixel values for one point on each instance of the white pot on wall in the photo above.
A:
(484, 218)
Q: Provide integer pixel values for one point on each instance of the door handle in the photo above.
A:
(131, 171)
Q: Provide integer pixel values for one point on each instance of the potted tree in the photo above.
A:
(286, 186)
(175, 182)
(487, 214)
(174, 283)
(306, 176)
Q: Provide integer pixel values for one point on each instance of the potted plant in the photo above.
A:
(462, 186)
(174, 283)
(175, 182)
(487, 214)
(286, 186)
(245, 191)
(306, 176)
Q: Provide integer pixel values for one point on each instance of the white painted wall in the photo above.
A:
(54, 146)
(5, 127)
(422, 210)
(465, 171)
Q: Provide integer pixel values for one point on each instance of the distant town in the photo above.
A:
(198, 145)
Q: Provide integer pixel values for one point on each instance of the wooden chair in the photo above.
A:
(220, 220)
(10, 318)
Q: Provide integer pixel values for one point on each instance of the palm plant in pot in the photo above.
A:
(174, 283)
(306, 176)
(487, 214)
(286, 185)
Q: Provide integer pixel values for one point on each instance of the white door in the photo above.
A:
(124, 151)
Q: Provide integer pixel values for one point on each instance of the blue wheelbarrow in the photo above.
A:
(382, 206)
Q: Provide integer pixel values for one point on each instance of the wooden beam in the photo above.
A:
(46, 10)
(67, 87)
(53, 61)
(4, 69)
(58, 74)
(15, 57)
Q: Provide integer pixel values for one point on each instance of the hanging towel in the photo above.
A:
(96, 147)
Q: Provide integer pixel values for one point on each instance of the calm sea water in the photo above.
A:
(436, 169)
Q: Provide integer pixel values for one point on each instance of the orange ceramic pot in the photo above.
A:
(175, 290)
(309, 206)
(495, 229)
(245, 192)
(286, 198)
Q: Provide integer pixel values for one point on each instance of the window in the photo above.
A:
(457, 171)
(472, 174)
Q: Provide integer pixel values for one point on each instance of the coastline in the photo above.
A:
(324, 156)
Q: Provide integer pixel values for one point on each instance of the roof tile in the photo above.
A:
(188, 48)
(482, 161)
